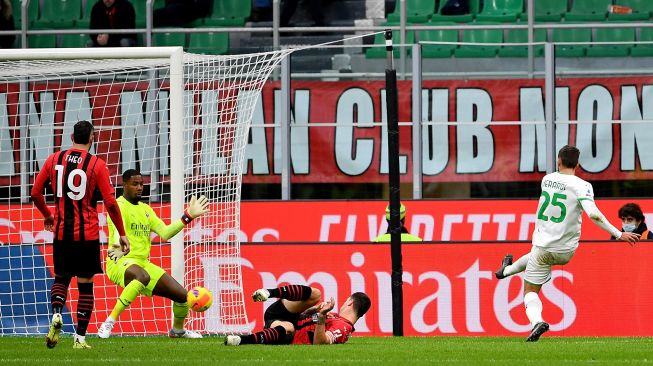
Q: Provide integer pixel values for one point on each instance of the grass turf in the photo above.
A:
(359, 350)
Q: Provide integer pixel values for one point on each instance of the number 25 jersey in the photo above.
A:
(559, 212)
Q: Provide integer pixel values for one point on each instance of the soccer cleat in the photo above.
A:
(184, 333)
(55, 328)
(232, 340)
(539, 329)
(80, 343)
(105, 329)
(507, 260)
(261, 295)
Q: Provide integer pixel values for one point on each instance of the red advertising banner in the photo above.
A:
(448, 289)
(463, 147)
(349, 221)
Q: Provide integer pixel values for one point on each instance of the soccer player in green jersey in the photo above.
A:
(133, 271)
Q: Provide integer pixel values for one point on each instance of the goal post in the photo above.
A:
(182, 119)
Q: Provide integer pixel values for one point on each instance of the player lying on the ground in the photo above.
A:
(133, 271)
(557, 231)
(298, 317)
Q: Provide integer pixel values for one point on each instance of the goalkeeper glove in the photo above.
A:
(196, 208)
(115, 252)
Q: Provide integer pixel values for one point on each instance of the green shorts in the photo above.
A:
(116, 272)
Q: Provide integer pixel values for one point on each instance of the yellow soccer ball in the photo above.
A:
(199, 299)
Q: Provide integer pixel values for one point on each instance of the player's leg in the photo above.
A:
(58, 294)
(133, 278)
(537, 273)
(169, 288)
(509, 268)
(84, 310)
(279, 332)
(296, 298)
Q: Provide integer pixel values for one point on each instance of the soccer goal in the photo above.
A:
(181, 119)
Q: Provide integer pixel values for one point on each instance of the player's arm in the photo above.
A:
(196, 208)
(110, 203)
(115, 252)
(37, 194)
(321, 336)
(599, 219)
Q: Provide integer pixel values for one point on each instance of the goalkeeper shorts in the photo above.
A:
(116, 272)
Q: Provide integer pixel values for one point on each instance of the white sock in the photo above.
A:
(533, 308)
(80, 337)
(516, 267)
(110, 319)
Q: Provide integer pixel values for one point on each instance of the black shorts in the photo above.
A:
(76, 258)
(278, 311)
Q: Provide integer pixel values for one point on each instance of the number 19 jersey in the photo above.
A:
(559, 212)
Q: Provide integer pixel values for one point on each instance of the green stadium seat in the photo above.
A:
(474, 8)
(74, 40)
(441, 35)
(85, 22)
(42, 41)
(547, 11)
(571, 35)
(521, 36)
(61, 14)
(213, 43)
(480, 36)
(32, 12)
(642, 10)
(228, 13)
(169, 39)
(501, 10)
(612, 35)
(417, 11)
(379, 39)
(645, 35)
(140, 7)
(588, 10)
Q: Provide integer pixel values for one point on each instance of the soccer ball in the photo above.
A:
(199, 299)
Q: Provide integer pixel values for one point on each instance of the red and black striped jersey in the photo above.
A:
(75, 176)
(337, 329)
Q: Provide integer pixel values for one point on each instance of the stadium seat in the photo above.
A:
(642, 10)
(169, 39)
(474, 7)
(612, 35)
(548, 11)
(379, 39)
(521, 36)
(85, 22)
(417, 11)
(32, 12)
(441, 35)
(140, 7)
(480, 36)
(213, 43)
(62, 14)
(571, 35)
(42, 41)
(646, 35)
(74, 40)
(228, 13)
(501, 10)
(588, 10)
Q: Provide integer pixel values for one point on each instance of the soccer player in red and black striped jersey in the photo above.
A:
(75, 175)
(298, 317)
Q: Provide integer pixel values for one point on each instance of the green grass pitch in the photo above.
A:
(504, 351)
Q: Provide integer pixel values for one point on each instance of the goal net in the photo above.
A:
(181, 119)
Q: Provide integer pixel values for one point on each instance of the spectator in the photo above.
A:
(178, 13)
(633, 221)
(6, 24)
(261, 10)
(405, 235)
(113, 14)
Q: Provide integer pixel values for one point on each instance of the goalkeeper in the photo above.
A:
(133, 271)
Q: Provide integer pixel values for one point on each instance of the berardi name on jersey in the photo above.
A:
(561, 186)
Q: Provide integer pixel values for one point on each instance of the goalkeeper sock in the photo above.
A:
(292, 292)
(533, 308)
(84, 307)
(518, 266)
(179, 312)
(58, 293)
(274, 335)
(128, 295)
